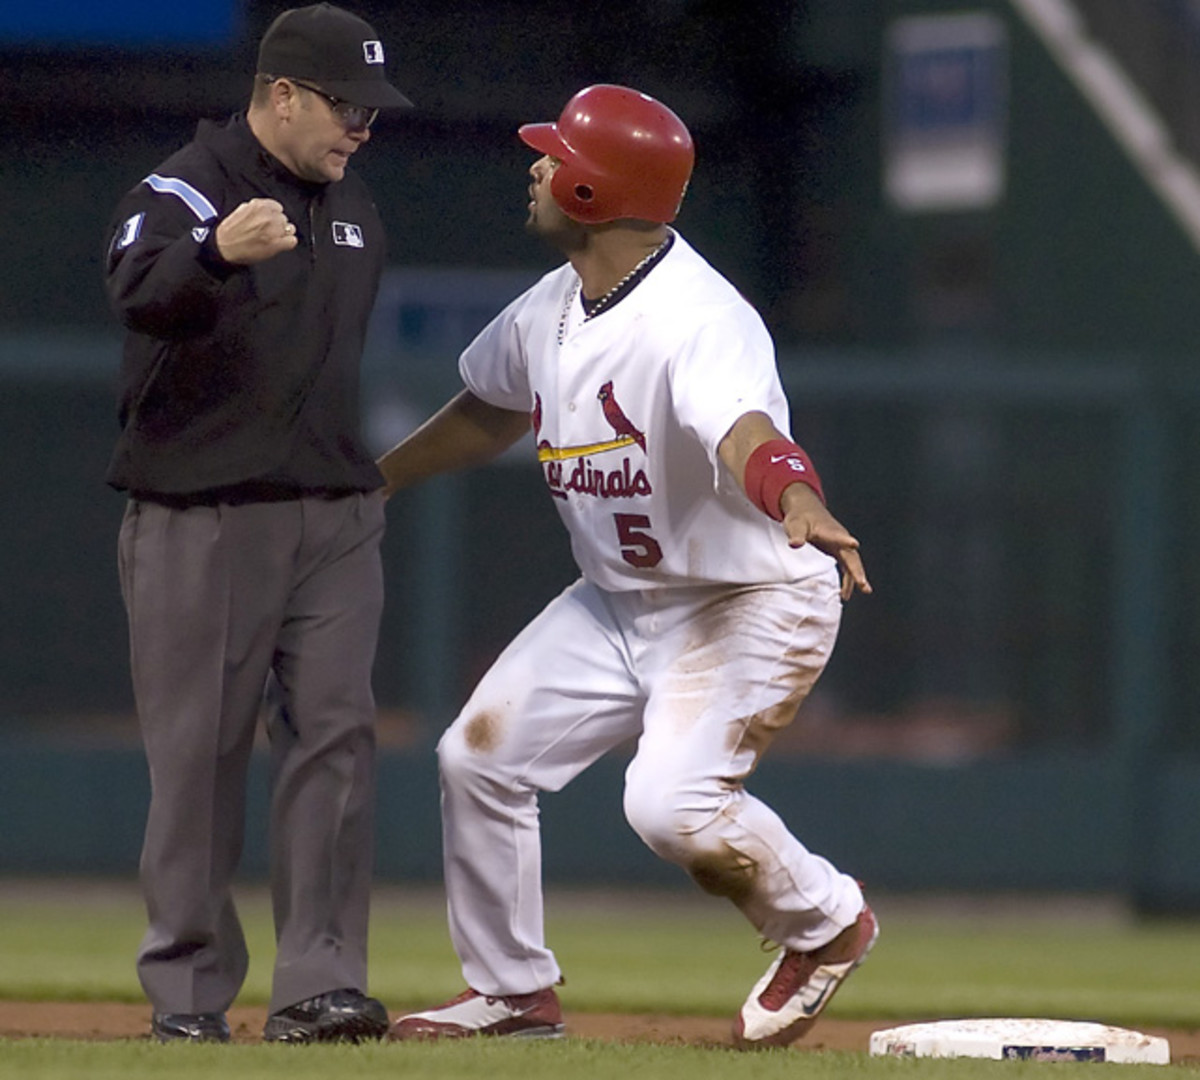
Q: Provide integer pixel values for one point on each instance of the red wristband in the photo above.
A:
(774, 466)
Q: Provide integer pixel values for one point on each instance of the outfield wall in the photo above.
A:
(1001, 397)
(1012, 709)
(1054, 823)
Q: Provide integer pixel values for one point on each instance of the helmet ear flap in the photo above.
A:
(575, 191)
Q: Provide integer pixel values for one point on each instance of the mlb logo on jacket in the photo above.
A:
(347, 235)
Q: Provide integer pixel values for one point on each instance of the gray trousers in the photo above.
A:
(220, 601)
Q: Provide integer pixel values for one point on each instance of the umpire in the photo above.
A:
(244, 269)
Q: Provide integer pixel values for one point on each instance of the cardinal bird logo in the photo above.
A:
(616, 417)
(580, 469)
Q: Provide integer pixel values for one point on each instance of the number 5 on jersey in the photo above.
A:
(638, 547)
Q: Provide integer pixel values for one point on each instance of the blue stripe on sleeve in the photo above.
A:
(181, 189)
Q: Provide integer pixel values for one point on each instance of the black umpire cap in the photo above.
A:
(334, 49)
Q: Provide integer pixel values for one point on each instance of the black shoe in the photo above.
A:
(338, 1016)
(189, 1027)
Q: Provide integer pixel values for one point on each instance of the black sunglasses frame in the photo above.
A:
(353, 117)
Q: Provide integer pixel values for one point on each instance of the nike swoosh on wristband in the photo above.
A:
(796, 462)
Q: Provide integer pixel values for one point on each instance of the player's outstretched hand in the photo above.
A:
(807, 521)
(256, 231)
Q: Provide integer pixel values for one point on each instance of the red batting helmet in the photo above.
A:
(623, 154)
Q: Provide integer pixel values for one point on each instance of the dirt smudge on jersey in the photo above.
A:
(482, 733)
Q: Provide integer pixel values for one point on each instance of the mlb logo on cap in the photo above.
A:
(373, 52)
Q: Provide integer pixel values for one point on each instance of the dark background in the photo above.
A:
(1002, 400)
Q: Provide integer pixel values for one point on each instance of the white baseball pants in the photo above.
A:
(702, 677)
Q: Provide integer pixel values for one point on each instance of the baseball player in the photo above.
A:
(709, 598)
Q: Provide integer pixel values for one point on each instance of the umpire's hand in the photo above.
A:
(256, 231)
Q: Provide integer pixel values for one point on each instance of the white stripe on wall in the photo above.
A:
(1133, 121)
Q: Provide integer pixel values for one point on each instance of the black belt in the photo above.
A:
(240, 495)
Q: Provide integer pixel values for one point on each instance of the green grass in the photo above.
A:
(56, 1060)
(685, 954)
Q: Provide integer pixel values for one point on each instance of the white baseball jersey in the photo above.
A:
(628, 410)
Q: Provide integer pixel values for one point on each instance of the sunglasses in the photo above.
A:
(351, 117)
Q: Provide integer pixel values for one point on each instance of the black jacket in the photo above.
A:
(241, 382)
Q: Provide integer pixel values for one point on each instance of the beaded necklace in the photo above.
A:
(593, 308)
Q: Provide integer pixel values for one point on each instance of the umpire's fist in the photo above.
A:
(257, 230)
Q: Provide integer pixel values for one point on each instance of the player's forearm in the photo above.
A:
(465, 432)
(768, 465)
(749, 432)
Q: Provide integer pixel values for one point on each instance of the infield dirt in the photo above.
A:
(107, 1020)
